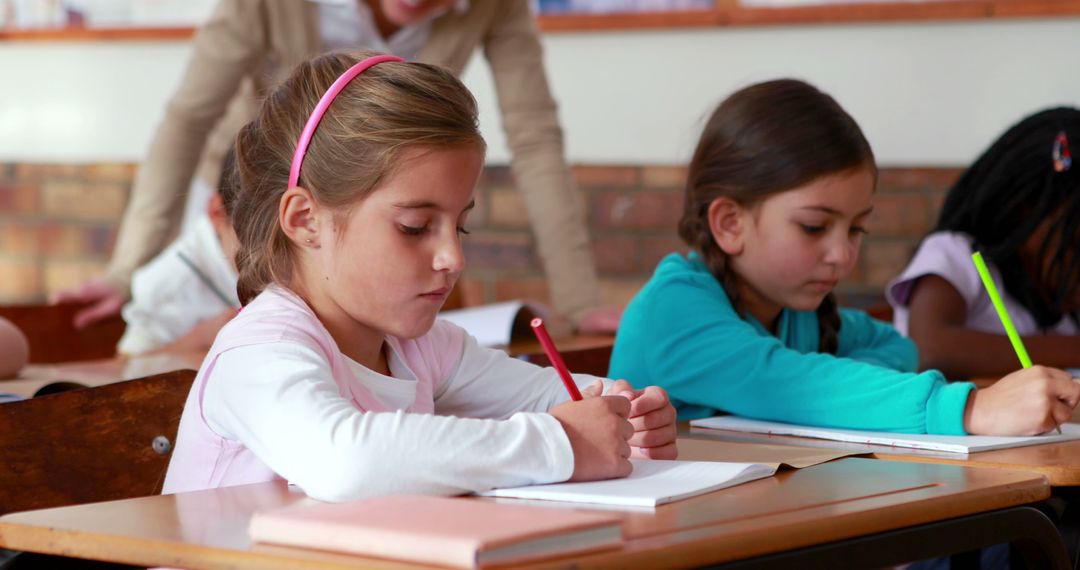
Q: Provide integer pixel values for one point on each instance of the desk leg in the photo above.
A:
(1028, 530)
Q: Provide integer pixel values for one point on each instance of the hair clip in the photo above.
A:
(1061, 155)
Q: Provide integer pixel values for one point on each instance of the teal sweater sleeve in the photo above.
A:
(869, 340)
(682, 334)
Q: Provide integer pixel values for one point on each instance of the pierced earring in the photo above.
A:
(308, 241)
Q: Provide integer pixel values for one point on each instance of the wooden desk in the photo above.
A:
(1059, 462)
(51, 333)
(862, 512)
(99, 372)
(694, 449)
(584, 354)
(564, 344)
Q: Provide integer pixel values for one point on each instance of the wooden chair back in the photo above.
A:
(53, 337)
(95, 444)
(591, 360)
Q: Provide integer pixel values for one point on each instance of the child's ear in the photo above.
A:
(215, 209)
(298, 217)
(727, 225)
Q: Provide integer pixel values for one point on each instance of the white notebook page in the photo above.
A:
(652, 483)
(949, 443)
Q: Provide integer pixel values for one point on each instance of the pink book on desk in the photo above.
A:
(445, 531)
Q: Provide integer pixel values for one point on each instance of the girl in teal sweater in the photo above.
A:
(777, 197)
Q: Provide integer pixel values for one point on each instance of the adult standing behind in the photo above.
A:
(248, 45)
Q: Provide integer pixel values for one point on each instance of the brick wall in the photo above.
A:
(58, 224)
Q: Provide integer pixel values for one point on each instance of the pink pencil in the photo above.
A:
(555, 358)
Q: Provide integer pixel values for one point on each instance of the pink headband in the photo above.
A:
(324, 104)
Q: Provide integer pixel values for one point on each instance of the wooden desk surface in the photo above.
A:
(576, 342)
(207, 529)
(97, 372)
(1059, 462)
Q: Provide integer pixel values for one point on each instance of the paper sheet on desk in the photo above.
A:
(653, 482)
(949, 443)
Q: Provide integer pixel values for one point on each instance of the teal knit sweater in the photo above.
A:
(680, 332)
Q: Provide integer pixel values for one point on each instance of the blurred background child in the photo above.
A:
(1019, 204)
(182, 297)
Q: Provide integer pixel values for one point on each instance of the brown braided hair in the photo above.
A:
(762, 140)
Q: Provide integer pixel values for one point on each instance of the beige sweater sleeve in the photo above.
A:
(529, 116)
(227, 49)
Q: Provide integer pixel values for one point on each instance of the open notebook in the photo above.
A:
(949, 443)
(652, 483)
(443, 531)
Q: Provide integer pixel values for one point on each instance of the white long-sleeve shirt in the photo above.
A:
(281, 402)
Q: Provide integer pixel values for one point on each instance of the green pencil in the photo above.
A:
(1003, 314)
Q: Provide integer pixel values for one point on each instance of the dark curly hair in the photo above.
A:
(1012, 192)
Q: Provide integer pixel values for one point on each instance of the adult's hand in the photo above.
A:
(101, 300)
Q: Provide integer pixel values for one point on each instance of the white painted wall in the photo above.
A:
(926, 94)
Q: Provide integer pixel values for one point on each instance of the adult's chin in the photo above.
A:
(402, 14)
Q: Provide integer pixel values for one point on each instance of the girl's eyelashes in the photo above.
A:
(421, 230)
(812, 229)
(412, 230)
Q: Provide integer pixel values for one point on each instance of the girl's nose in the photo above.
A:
(841, 252)
(449, 256)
